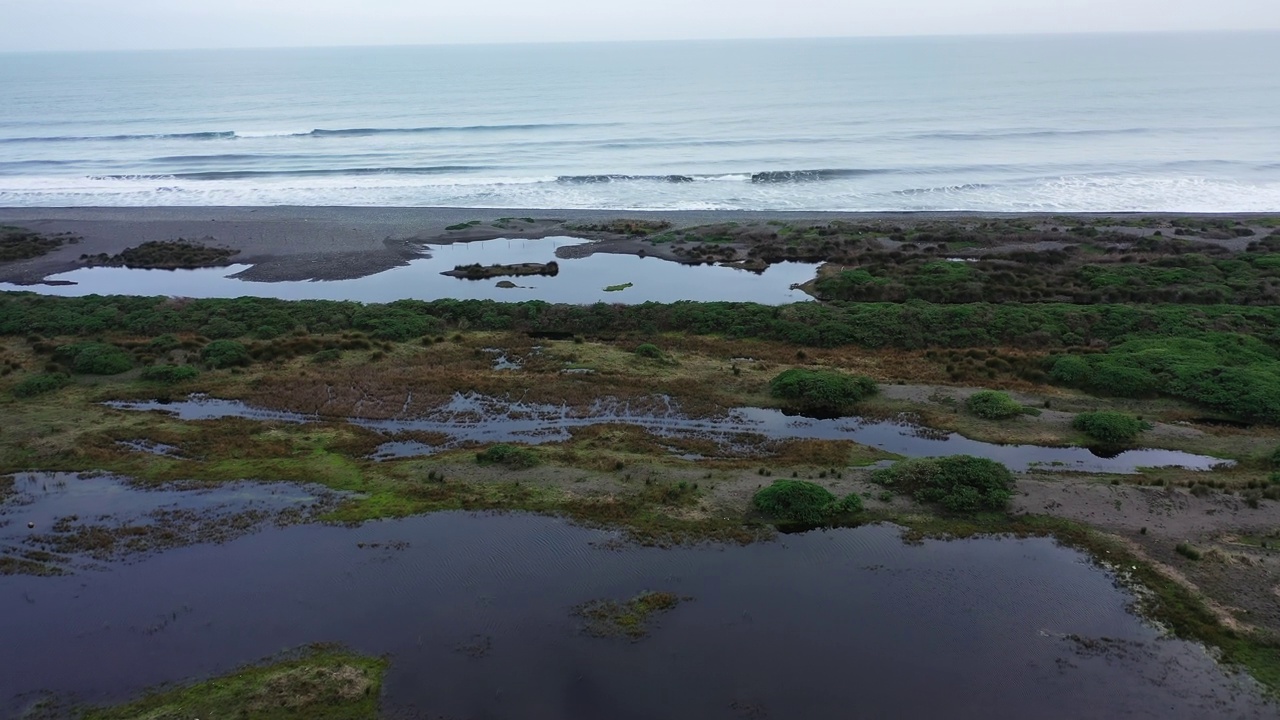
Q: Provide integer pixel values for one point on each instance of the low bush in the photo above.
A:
(993, 405)
(169, 374)
(649, 350)
(1187, 551)
(960, 483)
(516, 458)
(40, 384)
(1275, 458)
(94, 358)
(327, 356)
(803, 502)
(1112, 428)
(825, 391)
(225, 353)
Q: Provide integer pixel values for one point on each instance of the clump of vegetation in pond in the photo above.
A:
(22, 244)
(225, 353)
(40, 384)
(320, 684)
(166, 255)
(515, 458)
(462, 226)
(618, 288)
(993, 405)
(95, 358)
(823, 391)
(1111, 428)
(960, 483)
(169, 374)
(630, 618)
(804, 503)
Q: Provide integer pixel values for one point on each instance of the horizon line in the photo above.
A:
(636, 41)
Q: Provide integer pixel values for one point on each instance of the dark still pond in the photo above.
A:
(476, 614)
(581, 280)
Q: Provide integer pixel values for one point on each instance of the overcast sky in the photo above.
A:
(138, 24)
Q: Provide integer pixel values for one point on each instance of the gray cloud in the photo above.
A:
(123, 24)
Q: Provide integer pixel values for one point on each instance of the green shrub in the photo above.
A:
(1112, 428)
(803, 502)
(221, 328)
(516, 458)
(960, 483)
(1275, 458)
(225, 353)
(993, 405)
(1187, 551)
(823, 391)
(93, 358)
(40, 384)
(649, 350)
(169, 374)
(326, 356)
(164, 343)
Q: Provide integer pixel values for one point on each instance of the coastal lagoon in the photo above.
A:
(475, 612)
(580, 280)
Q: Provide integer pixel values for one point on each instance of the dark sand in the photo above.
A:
(332, 243)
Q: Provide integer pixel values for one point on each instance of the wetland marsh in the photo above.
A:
(192, 486)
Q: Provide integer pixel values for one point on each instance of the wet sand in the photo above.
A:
(335, 243)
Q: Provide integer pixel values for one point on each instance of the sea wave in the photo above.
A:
(1075, 193)
(213, 135)
(795, 176)
(596, 179)
(317, 172)
(316, 133)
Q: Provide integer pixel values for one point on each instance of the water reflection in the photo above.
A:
(579, 281)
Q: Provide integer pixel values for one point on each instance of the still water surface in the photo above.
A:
(579, 281)
(828, 624)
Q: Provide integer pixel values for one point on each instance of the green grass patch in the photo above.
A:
(320, 684)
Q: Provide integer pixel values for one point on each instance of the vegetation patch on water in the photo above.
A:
(165, 255)
(618, 288)
(632, 619)
(322, 683)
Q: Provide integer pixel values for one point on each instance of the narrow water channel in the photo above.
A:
(476, 418)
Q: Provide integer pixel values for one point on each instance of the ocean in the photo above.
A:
(992, 124)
